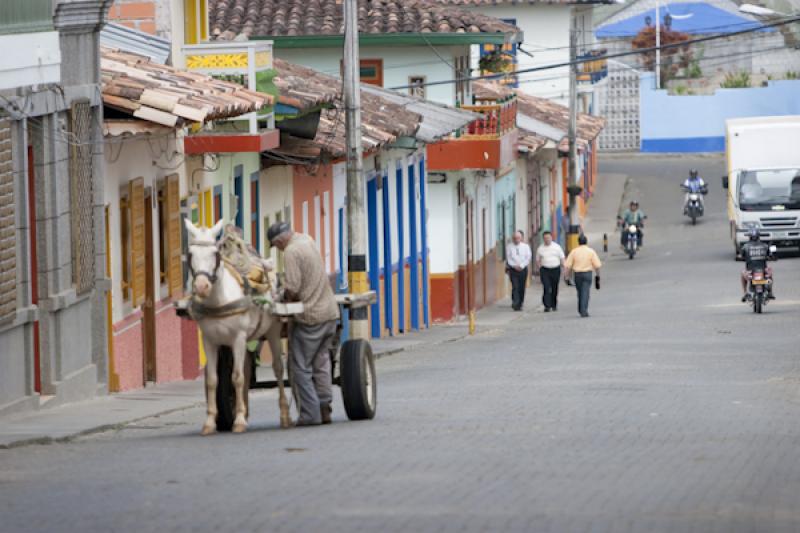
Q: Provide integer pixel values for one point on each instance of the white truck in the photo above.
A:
(763, 181)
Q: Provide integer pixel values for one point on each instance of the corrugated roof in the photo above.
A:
(138, 42)
(165, 95)
(485, 3)
(438, 120)
(232, 19)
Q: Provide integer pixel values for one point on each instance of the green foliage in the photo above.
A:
(792, 75)
(736, 80)
(694, 70)
(681, 90)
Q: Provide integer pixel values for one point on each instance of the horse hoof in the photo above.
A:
(239, 428)
(286, 423)
(208, 430)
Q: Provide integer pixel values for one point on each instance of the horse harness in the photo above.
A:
(240, 306)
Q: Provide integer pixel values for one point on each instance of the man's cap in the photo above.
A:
(278, 228)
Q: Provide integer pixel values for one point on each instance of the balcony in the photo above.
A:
(485, 143)
(595, 67)
(248, 64)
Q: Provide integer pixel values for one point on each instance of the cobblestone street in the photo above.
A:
(673, 408)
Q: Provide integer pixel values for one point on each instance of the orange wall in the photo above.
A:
(305, 186)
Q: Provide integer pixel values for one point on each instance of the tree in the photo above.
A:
(672, 59)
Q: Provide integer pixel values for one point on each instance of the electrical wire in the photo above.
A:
(608, 56)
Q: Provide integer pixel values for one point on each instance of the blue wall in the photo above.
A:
(697, 123)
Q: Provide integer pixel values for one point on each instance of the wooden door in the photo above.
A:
(149, 304)
(34, 269)
(469, 285)
(484, 259)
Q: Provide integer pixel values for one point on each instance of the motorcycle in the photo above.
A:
(632, 240)
(759, 287)
(694, 207)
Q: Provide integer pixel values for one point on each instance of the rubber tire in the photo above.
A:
(694, 219)
(226, 394)
(357, 366)
(631, 253)
(758, 299)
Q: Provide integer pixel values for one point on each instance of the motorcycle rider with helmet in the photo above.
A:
(694, 184)
(756, 253)
(632, 216)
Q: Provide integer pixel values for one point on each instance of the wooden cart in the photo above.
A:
(352, 364)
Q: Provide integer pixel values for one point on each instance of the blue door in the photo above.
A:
(413, 259)
(388, 269)
(401, 271)
(374, 261)
(238, 172)
(423, 222)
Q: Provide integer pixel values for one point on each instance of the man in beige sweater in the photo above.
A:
(313, 330)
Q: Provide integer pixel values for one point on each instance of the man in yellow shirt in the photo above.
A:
(583, 261)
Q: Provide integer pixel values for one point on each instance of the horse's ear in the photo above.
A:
(191, 228)
(217, 229)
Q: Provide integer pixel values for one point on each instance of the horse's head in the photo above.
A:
(204, 258)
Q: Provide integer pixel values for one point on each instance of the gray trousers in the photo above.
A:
(311, 367)
(583, 283)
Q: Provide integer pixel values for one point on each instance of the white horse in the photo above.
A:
(227, 317)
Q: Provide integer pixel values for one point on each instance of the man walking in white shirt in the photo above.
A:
(549, 260)
(518, 257)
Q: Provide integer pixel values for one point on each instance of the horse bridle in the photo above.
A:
(212, 276)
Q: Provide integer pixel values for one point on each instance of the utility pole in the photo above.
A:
(356, 210)
(658, 44)
(573, 187)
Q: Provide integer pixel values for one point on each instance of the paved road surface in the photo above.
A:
(673, 408)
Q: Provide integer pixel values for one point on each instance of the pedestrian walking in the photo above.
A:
(313, 330)
(549, 260)
(518, 257)
(583, 261)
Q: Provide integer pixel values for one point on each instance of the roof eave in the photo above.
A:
(401, 39)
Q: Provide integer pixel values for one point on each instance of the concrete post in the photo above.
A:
(356, 210)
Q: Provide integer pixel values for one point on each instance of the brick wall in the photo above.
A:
(137, 14)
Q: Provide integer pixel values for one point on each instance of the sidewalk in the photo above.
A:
(63, 423)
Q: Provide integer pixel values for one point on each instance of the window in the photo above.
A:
(81, 195)
(132, 226)
(371, 71)
(461, 75)
(8, 243)
(255, 212)
(417, 84)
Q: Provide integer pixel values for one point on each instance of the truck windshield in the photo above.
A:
(767, 190)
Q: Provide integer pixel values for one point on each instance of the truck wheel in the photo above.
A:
(226, 394)
(357, 379)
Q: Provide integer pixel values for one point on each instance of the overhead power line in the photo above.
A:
(608, 56)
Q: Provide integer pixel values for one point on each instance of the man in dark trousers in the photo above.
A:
(518, 257)
(549, 260)
(583, 261)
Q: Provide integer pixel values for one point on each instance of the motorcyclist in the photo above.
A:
(632, 216)
(756, 253)
(694, 184)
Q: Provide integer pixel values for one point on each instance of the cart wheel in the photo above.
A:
(226, 394)
(358, 381)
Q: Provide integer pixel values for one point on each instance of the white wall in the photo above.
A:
(442, 225)
(136, 157)
(546, 36)
(276, 196)
(398, 64)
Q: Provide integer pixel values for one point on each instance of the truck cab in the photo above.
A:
(763, 181)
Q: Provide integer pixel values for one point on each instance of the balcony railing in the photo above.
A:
(498, 118)
(236, 62)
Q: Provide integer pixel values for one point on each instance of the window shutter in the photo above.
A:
(8, 257)
(136, 198)
(173, 232)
